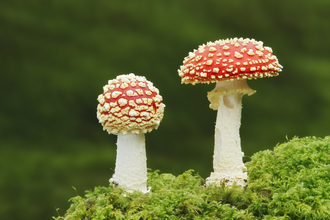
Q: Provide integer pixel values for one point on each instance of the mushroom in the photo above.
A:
(129, 107)
(228, 63)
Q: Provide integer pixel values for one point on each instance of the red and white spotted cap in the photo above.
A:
(130, 104)
(230, 59)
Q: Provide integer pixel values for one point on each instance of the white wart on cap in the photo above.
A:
(130, 104)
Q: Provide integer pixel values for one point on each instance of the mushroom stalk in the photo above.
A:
(131, 162)
(227, 159)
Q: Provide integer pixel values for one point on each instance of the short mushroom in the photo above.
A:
(129, 107)
(228, 63)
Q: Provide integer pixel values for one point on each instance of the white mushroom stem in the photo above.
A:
(227, 159)
(131, 162)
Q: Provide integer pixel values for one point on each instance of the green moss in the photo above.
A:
(294, 179)
(290, 182)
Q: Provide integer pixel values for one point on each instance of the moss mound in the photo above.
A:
(290, 182)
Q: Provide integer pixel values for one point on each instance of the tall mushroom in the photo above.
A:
(129, 107)
(228, 63)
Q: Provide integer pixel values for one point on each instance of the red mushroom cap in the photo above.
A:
(229, 59)
(130, 104)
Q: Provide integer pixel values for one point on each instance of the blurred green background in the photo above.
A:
(56, 55)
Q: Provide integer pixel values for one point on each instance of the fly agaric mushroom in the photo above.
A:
(228, 63)
(129, 107)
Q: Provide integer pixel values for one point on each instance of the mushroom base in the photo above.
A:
(228, 179)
